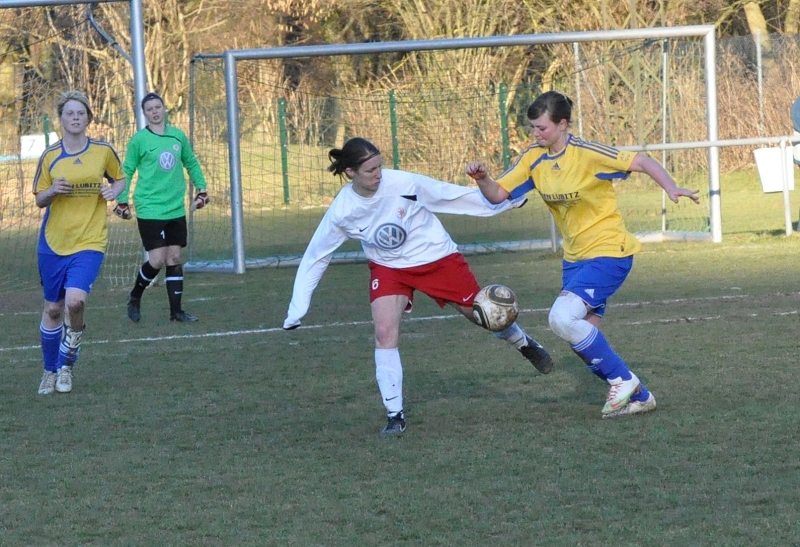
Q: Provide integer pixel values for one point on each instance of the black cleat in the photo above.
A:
(537, 355)
(396, 425)
(183, 317)
(134, 311)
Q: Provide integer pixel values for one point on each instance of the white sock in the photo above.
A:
(514, 335)
(389, 373)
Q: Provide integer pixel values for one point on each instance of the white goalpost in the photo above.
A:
(262, 132)
(277, 132)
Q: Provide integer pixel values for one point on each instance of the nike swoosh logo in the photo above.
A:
(362, 229)
(391, 398)
(467, 298)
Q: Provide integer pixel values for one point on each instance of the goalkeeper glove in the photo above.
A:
(201, 200)
(123, 211)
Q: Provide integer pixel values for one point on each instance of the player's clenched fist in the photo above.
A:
(476, 170)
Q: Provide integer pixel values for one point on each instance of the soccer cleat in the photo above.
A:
(396, 425)
(620, 393)
(537, 355)
(634, 407)
(134, 308)
(48, 383)
(64, 380)
(183, 317)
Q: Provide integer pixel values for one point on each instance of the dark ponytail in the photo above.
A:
(350, 156)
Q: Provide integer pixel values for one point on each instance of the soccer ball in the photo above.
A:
(495, 307)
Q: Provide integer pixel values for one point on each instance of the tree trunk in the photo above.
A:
(790, 25)
(758, 28)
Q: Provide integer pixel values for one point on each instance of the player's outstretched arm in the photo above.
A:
(493, 192)
(445, 197)
(326, 239)
(645, 164)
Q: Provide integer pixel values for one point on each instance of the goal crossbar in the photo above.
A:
(231, 57)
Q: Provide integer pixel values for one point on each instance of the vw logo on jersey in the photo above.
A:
(390, 236)
(166, 160)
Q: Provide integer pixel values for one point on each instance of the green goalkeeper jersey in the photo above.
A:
(160, 190)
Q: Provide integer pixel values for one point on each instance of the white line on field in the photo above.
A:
(224, 334)
(214, 298)
(39, 311)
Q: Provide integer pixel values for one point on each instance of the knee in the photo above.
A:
(76, 305)
(386, 336)
(156, 262)
(559, 322)
(173, 257)
(566, 319)
(54, 312)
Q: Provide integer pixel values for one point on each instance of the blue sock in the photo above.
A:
(642, 395)
(68, 354)
(51, 339)
(600, 358)
(592, 368)
(67, 357)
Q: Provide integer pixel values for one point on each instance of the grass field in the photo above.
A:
(233, 432)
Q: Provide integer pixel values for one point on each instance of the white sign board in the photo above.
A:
(32, 146)
(769, 161)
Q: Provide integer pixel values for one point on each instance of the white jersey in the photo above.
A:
(396, 228)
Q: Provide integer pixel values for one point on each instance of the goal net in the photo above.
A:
(428, 111)
(433, 112)
(48, 50)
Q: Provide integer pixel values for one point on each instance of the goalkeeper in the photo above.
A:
(160, 152)
(392, 214)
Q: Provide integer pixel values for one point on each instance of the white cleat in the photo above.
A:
(620, 393)
(64, 381)
(48, 383)
(634, 407)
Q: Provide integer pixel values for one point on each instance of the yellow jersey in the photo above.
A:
(576, 185)
(76, 221)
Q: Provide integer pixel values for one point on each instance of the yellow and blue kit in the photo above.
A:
(76, 221)
(575, 184)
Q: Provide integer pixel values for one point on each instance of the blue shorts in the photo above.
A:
(75, 271)
(596, 279)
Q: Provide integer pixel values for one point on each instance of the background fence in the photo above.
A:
(428, 111)
(433, 113)
(70, 55)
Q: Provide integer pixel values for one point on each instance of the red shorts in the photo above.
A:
(449, 279)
